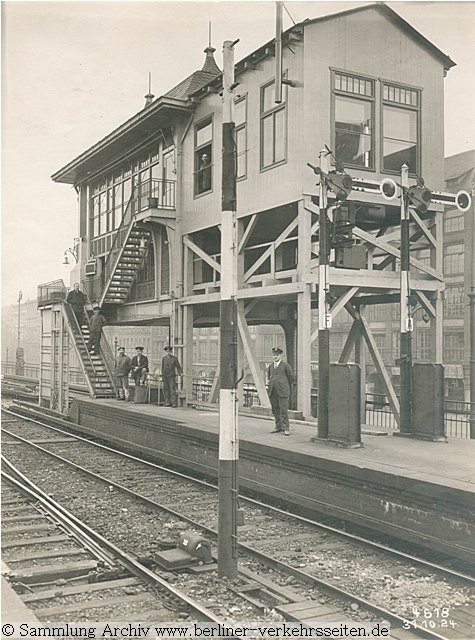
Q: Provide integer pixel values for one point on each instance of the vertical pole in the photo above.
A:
(228, 418)
(405, 364)
(278, 52)
(324, 319)
(20, 295)
(471, 297)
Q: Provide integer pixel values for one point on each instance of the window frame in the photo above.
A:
(417, 109)
(197, 149)
(237, 129)
(371, 99)
(263, 116)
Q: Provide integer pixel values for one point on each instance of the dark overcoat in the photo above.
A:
(280, 379)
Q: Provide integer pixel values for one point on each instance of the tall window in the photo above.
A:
(454, 302)
(273, 127)
(401, 137)
(453, 259)
(204, 157)
(453, 347)
(354, 118)
(422, 337)
(453, 221)
(240, 121)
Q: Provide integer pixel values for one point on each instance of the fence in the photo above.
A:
(378, 412)
(50, 292)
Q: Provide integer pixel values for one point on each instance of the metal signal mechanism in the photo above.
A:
(339, 182)
(462, 199)
(389, 189)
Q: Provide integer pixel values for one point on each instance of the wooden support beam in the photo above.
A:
(342, 300)
(377, 359)
(202, 254)
(349, 343)
(272, 247)
(426, 303)
(421, 224)
(388, 248)
(247, 233)
(250, 355)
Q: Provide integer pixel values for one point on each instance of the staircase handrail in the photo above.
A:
(72, 320)
(119, 237)
(105, 348)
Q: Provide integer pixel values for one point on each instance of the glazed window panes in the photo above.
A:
(241, 159)
(203, 157)
(353, 131)
(400, 128)
(204, 134)
(273, 128)
(453, 221)
(422, 344)
(240, 122)
(455, 302)
(400, 95)
(352, 84)
(454, 347)
(453, 259)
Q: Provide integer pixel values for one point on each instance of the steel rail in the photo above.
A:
(256, 554)
(121, 556)
(244, 499)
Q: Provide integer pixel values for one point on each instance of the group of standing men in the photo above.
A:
(138, 368)
(280, 376)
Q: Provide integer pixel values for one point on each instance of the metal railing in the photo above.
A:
(154, 194)
(457, 418)
(32, 372)
(50, 292)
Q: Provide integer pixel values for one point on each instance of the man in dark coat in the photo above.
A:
(170, 368)
(95, 330)
(77, 300)
(280, 378)
(123, 365)
(139, 366)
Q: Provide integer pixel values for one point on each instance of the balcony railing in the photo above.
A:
(50, 292)
(154, 194)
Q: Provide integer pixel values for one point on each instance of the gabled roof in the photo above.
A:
(459, 164)
(396, 19)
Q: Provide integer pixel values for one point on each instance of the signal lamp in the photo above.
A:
(419, 198)
(341, 184)
(388, 189)
(463, 201)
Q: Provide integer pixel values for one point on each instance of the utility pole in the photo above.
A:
(228, 415)
(20, 296)
(324, 318)
(405, 358)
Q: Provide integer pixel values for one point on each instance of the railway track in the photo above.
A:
(291, 560)
(61, 567)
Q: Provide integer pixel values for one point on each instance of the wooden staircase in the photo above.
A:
(94, 366)
(124, 265)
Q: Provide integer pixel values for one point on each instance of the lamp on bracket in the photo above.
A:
(73, 251)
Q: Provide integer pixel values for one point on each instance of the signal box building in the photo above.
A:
(362, 82)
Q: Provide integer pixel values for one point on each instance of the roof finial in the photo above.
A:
(149, 96)
(210, 65)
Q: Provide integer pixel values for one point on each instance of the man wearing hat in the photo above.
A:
(139, 367)
(280, 377)
(170, 368)
(123, 365)
(95, 330)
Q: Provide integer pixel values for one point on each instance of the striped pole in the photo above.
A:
(228, 416)
(405, 360)
(324, 319)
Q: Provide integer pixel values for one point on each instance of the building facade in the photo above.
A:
(150, 196)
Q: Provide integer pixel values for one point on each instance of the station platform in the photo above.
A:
(14, 610)
(420, 491)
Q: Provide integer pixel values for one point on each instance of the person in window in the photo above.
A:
(204, 174)
(139, 367)
(95, 332)
(77, 300)
(170, 368)
(280, 378)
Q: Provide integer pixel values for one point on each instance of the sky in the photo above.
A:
(74, 71)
